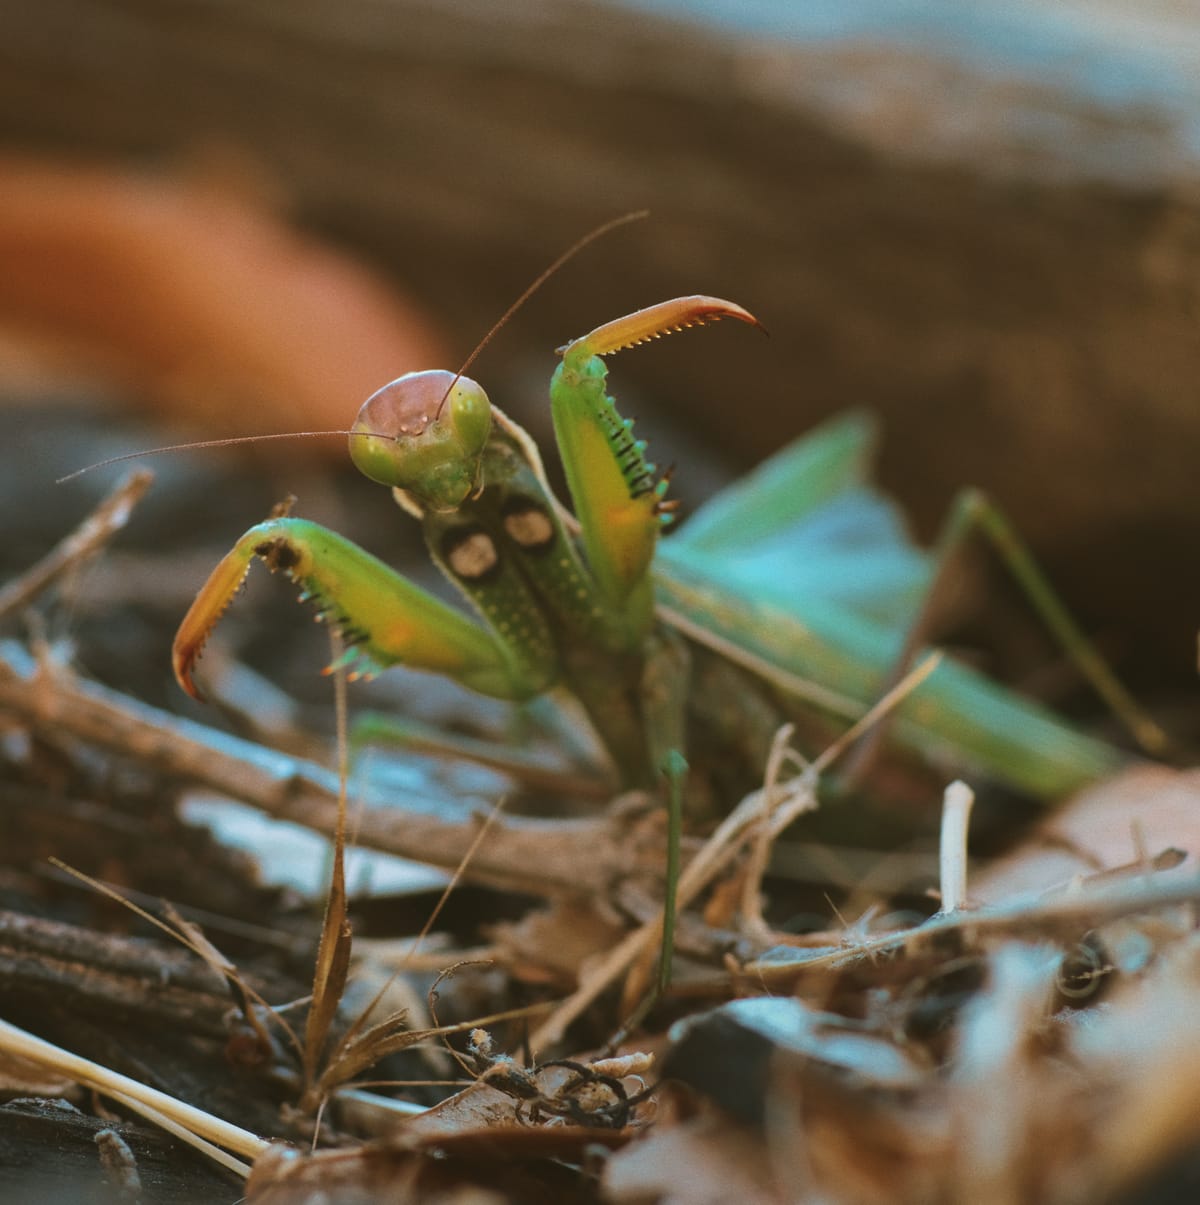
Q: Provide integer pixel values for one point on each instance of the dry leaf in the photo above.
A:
(707, 1161)
(1136, 817)
(555, 944)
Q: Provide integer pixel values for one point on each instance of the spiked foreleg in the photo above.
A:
(618, 497)
(385, 619)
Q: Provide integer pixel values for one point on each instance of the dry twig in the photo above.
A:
(550, 858)
(89, 537)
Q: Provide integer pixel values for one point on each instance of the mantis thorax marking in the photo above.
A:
(470, 553)
(528, 524)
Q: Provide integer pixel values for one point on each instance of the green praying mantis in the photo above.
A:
(800, 574)
(566, 600)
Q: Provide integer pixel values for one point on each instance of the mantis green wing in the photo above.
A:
(807, 524)
(789, 486)
(806, 568)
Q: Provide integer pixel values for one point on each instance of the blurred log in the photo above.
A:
(999, 252)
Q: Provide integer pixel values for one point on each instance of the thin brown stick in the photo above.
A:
(91, 535)
(760, 851)
(455, 879)
(553, 858)
(1023, 916)
(192, 938)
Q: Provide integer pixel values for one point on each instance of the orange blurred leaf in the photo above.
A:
(196, 299)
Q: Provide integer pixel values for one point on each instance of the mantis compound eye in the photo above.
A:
(423, 440)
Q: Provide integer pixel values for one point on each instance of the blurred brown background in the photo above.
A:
(983, 226)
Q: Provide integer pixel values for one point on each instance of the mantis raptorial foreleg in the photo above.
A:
(384, 618)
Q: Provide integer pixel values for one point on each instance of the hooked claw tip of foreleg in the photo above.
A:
(183, 663)
(203, 616)
(657, 320)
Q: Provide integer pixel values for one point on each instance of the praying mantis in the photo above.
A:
(800, 574)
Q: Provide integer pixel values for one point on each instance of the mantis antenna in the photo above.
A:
(231, 441)
(195, 445)
(573, 250)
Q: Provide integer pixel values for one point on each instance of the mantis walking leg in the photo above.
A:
(973, 511)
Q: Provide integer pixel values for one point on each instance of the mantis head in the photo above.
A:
(424, 433)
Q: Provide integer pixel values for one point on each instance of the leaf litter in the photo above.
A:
(1033, 1039)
